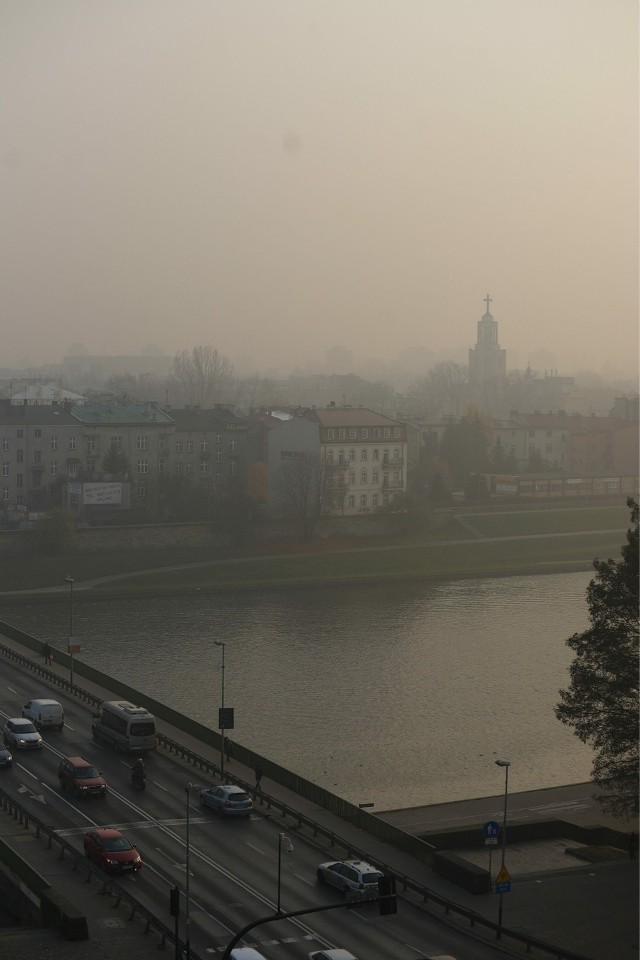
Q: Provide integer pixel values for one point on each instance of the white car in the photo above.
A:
(357, 879)
(227, 799)
(336, 954)
(21, 734)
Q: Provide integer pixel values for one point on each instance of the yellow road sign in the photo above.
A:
(504, 876)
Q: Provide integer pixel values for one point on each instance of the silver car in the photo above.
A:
(357, 879)
(21, 734)
(228, 800)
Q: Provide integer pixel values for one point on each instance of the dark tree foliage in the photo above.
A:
(602, 700)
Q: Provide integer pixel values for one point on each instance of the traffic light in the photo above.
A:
(174, 902)
(387, 892)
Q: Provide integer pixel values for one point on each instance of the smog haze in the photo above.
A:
(277, 178)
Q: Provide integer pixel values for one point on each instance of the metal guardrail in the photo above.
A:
(18, 812)
(407, 883)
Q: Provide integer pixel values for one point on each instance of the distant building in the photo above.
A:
(487, 362)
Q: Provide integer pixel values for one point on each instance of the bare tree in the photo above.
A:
(202, 374)
(310, 488)
(445, 384)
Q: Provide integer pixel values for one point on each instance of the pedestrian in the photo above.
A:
(48, 658)
(227, 749)
(633, 846)
(258, 777)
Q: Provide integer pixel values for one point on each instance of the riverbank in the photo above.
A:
(500, 544)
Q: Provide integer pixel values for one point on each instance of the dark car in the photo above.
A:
(82, 777)
(111, 850)
(6, 760)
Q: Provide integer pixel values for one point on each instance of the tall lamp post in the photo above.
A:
(506, 764)
(282, 838)
(70, 581)
(221, 643)
(190, 787)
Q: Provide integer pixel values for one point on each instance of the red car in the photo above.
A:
(111, 850)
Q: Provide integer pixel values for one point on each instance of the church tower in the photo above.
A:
(487, 362)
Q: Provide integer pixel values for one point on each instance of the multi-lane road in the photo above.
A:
(233, 864)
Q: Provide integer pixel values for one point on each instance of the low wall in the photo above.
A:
(21, 887)
(540, 830)
(467, 875)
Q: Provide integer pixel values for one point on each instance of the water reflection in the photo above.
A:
(400, 695)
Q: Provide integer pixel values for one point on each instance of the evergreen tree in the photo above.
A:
(602, 700)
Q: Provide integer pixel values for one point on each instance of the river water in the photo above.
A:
(395, 695)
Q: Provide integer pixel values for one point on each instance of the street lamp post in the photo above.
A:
(190, 787)
(221, 643)
(282, 837)
(70, 581)
(506, 764)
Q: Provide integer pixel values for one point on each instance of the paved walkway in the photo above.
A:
(590, 908)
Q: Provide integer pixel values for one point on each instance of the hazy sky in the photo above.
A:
(275, 177)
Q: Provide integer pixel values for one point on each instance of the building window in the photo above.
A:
(53, 467)
(374, 500)
(396, 476)
(352, 433)
(386, 433)
(19, 480)
(143, 466)
(160, 466)
(330, 456)
(330, 434)
(396, 453)
(363, 500)
(385, 479)
(548, 448)
(91, 466)
(376, 454)
(341, 457)
(188, 468)
(352, 454)
(141, 489)
(37, 456)
(20, 434)
(54, 443)
(364, 454)
(204, 468)
(385, 456)
(218, 479)
(37, 481)
(233, 445)
(342, 433)
(352, 477)
(178, 446)
(189, 446)
(363, 476)
(116, 443)
(179, 468)
(219, 456)
(20, 500)
(364, 433)
(73, 470)
(72, 443)
(375, 476)
(5, 469)
(37, 433)
(218, 438)
(5, 493)
(376, 433)
(5, 443)
(142, 443)
(161, 444)
(385, 499)
(204, 446)
(351, 501)
(233, 468)
(396, 433)
(92, 445)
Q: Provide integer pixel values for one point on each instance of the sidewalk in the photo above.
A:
(590, 908)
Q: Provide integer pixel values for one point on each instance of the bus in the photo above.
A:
(124, 726)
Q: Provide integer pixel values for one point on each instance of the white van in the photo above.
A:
(246, 953)
(125, 726)
(44, 713)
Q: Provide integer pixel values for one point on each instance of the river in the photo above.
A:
(394, 695)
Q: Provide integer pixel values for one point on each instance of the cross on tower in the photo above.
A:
(487, 300)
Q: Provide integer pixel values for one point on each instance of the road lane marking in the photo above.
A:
(257, 849)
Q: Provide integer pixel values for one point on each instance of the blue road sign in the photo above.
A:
(504, 887)
(491, 829)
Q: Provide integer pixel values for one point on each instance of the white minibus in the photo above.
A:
(126, 727)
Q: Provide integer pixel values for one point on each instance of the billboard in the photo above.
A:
(97, 493)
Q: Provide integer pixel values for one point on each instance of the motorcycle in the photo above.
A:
(139, 779)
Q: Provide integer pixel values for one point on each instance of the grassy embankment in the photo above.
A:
(537, 541)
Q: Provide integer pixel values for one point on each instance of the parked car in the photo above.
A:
(227, 799)
(357, 879)
(6, 759)
(336, 954)
(81, 776)
(111, 850)
(44, 713)
(21, 734)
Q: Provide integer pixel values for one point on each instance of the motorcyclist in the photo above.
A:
(138, 775)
